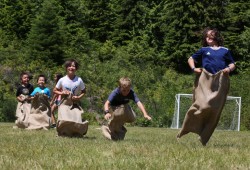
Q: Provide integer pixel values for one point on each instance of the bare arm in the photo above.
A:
(53, 98)
(58, 91)
(23, 99)
(230, 68)
(192, 66)
(76, 98)
(106, 108)
(142, 108)
(20, 98)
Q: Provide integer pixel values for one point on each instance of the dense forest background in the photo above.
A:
(147, 40)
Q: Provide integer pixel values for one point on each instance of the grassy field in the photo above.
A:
(143, 148)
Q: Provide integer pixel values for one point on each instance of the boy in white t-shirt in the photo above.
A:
(72, 89)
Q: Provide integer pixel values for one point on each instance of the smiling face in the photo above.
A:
(25, 79)
(211, 39)
(71, 69)
(41, 81)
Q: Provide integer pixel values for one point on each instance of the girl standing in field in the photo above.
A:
(72, 89)
(211, 86)
(55, 101)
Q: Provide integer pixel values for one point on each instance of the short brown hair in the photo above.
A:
(124, 82)
(25, 73)
(41, 75)
(69, 62)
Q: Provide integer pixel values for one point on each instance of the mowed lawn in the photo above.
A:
(143, 148)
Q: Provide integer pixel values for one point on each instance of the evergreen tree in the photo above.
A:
(75, 13)
(181, 22)
(99, 19)
(46, 39)
(16, 16)
(236, 34)
(132, 19)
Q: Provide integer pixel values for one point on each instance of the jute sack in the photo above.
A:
(120, 115)
(22, 113)
(209, 97)
(40, 113)
(70, 119)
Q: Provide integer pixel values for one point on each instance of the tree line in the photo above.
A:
(148, 41)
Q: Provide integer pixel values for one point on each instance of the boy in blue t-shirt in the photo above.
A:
(119, 112)
(41, 80)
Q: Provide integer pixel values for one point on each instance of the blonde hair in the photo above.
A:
(124, 82)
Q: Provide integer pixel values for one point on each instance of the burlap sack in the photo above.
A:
(120, 115)
(210, 93)
(22, 113)
(70, 119)
(40, 113)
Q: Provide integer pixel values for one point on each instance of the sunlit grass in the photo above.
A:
(143, 148)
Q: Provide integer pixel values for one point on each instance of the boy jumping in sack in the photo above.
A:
(118, 111)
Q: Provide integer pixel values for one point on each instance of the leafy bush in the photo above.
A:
(8, 110)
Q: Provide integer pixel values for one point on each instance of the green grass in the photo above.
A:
(143, 148)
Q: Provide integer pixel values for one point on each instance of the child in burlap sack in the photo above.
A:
(40, 112)
(72, 89)
(24, 101)
(211, 86)
(118, 111)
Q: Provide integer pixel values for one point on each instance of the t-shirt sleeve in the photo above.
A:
(229, 58)
(196, 56)
(18, 91)
(34, 92)
(112, 95)
(135, 98)
(59, 84)
(31, 89)
(82, 85)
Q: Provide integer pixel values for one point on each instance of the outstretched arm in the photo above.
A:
(145, 114)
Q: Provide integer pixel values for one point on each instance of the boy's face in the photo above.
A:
(125, 90)
(41, 82)
(71, 68)
(25, 79)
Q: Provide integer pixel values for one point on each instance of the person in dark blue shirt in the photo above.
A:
(118, 111)
(211, 86)
(214, 56)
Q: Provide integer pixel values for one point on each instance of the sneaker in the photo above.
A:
(53, 126)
